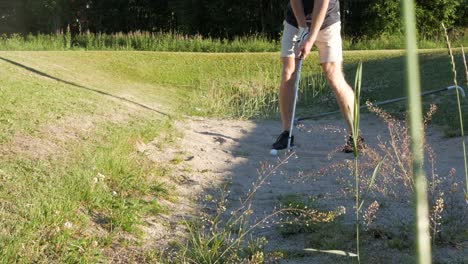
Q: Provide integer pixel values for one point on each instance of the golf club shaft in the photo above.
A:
(296, 92)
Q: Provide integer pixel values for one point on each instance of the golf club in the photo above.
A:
(296, 93)
(274, 152)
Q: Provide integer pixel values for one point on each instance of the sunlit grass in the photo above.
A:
(71, 179)
(178, 42)
(69, 208)
(172, 82)
(180, 82)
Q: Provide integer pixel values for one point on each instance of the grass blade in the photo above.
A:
(460, 114)
(357, 96)
(464, 152)
(355, 128)
(413, 89)
(374, 174)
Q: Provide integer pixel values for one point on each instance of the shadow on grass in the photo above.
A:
(43, 74)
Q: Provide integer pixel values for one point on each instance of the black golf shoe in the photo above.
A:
(282, 141)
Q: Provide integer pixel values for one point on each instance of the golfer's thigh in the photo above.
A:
(329, 44)
(289, 44)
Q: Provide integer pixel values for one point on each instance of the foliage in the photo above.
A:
(217, 19)
(435, 12)
(374, 17)
(226, 18)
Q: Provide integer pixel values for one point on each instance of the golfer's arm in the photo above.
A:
(298, 10)
(318, 16)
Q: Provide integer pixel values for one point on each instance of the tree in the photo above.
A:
(11, 17)
(431, 13)
(385, 15)
(45, 15)
(228, 18)
(219, 18)
(370, 17)
(461, 17)
(375, 17)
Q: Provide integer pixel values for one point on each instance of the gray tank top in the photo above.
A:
(332, 16)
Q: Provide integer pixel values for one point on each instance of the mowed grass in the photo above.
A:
(72, 210)
(240, 85)
(384, 78)
(71, 181)
(246, 85)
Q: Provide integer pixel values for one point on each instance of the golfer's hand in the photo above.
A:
(305, 47)
(302, 35)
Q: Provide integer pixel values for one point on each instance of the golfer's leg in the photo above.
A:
(286, 91)
(288, 76)
(343, 92)
(329, 45)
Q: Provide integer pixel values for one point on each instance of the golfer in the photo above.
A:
(308, 23)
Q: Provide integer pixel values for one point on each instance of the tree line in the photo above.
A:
(216, 18)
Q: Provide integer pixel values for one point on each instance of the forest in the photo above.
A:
(218, 18)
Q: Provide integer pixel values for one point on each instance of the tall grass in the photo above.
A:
(238, 100)
(161, 41)
(253, 96)
(137, 41)
(394, 41)
(466, 167)
(355, 132)
(417, 133)
(455, 82)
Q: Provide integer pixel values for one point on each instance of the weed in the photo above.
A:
(395, 184)
(302, 216)
(370, 214)
(454, 71)
(223, 237)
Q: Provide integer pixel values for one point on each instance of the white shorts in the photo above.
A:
(328, 43)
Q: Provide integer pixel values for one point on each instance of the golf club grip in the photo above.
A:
(296, 92)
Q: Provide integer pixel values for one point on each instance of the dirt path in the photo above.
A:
(213, 152)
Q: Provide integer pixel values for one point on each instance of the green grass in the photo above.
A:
(415, 126)
(176, 42)
(98, 189)
(137, 41)
(71, 181)
(245, 85)
(385, 80)
(143, 77)
(48, 195)
(240, 85)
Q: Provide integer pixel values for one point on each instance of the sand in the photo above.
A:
(215, 152)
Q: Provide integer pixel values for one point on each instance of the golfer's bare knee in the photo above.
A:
(334, 75)
(288, 71)
(288, 74)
